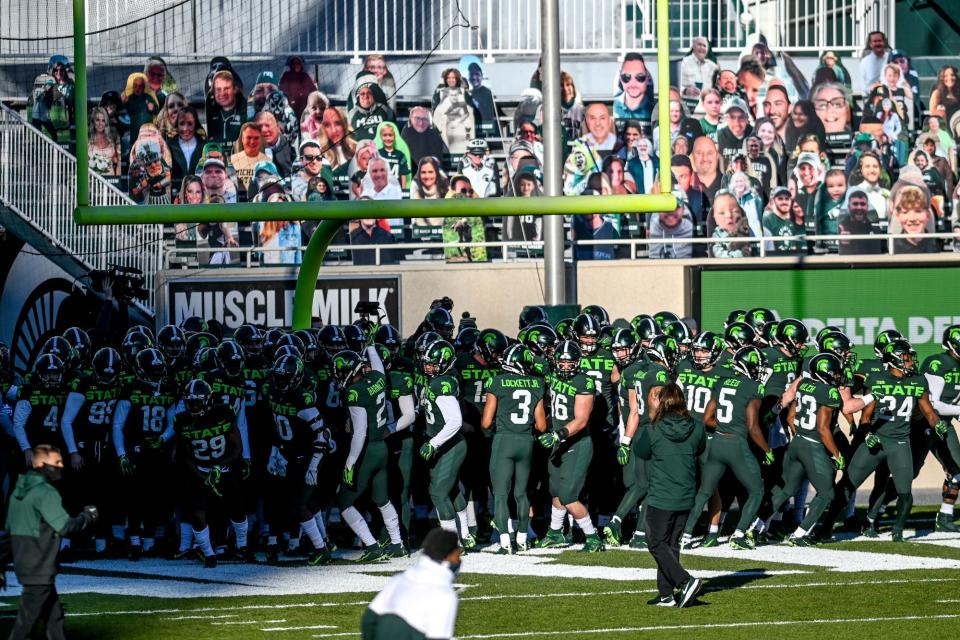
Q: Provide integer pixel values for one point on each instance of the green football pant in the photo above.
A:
(733, 453)
(806, 460)
(510, 461)
(370, 472)
(635, 481)
(445, 480)
(898, 454)
(568, 469)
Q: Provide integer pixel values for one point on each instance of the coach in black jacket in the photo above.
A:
(37, 521)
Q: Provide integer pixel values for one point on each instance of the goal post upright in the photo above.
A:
(80, 100)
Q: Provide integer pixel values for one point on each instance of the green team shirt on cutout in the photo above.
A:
(732, 396)
(811, 395)
(517, 397)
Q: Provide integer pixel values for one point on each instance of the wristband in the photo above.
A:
(625, 440)
(563, 433)
(867, 399)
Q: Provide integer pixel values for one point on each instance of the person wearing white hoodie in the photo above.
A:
(420, 602)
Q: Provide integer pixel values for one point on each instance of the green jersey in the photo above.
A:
(445, 385)
(897, 400)
(623, 389)
(777, 227)
(399, 383)
(370, 394)
(943, 365)
(230, 391)
(209, 437)
(732, 396)
(563, 396)
(517, 397)
(95, 419)
(650, 377)
(698, 387)
(599, 366)
(397, 163)
(473, 378)
(784, 370)
(811, 395)
(864, 371)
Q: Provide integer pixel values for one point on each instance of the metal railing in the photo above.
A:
(519, 250)
(412, 27)
(38, 183)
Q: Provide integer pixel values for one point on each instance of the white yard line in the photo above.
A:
(249, 622)
(232, 615)
(304, 628)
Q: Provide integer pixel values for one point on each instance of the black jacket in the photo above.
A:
(183, 166)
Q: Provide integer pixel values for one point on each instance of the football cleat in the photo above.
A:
(372, 553)
(945, 523)
(520, 547)
(319, 557)
(804, 541)
(686, 542)
(503, 551)
(210, 562)
(182, 554)
(273, 553)
(756, 538)
(554, 538)
(611, 533)
(740, 544)
(896, 536)
(710, 540)
(593, 544)
(870, 529)
(469, 542)
(135, 552)
(638, 542)
(396, 551)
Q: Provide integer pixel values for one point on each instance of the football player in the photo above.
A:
(445, 448)
(734, 415)
(366, 466)
(210, 447)
(572, 394)
(514, 404)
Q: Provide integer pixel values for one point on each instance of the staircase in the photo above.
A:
(37, 200)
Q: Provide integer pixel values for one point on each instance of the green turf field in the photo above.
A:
(856, 588)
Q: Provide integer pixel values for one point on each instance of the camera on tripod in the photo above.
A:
(127, 282)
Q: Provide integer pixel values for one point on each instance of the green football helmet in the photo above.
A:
(332, 340)
(839, 344)
(827, 329)
(389, 337)
(586, 330)
(250, 338)
(637, 319)
(61, 347)
(172, 341)
(441, 321)
(738, 335)
(758, 316)
(532, 314)
(827, 368)
(491, 344)
(466, 340)
(646, 329)
(355, 336)
(665, 350)
(737, 315)
(951, 340)
(287, 373)
(791, 335)
(312, 353)
(422, 343)
(230, 357)
(80, 341)
(106, 365)
(625, 347)
(663, 318)
(150, 366)
(599, 314)
(766, 332)
(563, 329)
(345, 366)
(517, 359)
(291, 340)
(883, 338)
(750, 362)
(706, 349)
(541, 339)
(438, 358)
(566, 359)
(679, 331)
(898, 354)
(197, 397)
(49, 370)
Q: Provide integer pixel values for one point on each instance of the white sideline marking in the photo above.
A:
(232, 615)
(249, 622)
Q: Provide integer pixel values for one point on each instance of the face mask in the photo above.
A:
(51, 473)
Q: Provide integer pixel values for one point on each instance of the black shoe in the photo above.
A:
(135, 552)
(663, 601)
(689, 591)
(210, 562)
(273, 553)
(182, 554)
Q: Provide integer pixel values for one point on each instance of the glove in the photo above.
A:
(324, 441)
(872, 441)
(126, 466)
(348, 476)
(154, 442)
(839, 462)
(247, 469)
(623, 454)
(549, 440)
(427, 451)
(942, 429)
(768, 458)
(277, 464)
(91, 513)
(213, 480)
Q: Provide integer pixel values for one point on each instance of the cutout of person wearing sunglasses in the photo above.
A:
(635, 97)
